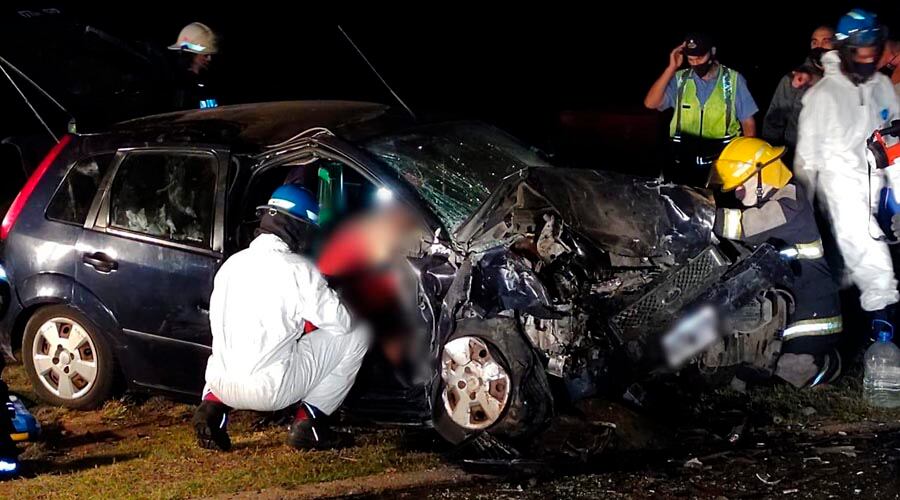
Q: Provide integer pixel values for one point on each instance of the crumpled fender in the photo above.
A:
(490, 283)
(503, 281)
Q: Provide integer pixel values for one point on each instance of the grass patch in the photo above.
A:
(146, 449)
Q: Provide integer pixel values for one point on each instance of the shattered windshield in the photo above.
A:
(454, 166)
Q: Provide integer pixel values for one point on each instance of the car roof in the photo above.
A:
(258, 125)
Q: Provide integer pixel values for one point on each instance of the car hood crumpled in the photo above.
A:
(628, 217)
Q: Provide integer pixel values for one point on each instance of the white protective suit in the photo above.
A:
(836, 120)
(261, 300)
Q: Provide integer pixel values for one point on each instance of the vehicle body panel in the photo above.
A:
(558, 255)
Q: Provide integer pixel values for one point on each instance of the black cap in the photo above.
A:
(697, 44)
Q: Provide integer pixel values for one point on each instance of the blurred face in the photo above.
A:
(821, 38)
(200, 63)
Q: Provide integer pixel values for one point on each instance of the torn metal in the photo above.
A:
(607, 277)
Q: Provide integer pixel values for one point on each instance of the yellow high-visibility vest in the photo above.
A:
(715, 119)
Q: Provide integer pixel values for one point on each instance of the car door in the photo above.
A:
(150, 256)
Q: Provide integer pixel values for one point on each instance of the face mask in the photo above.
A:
(815, 55)
(864, 70)
(702, 69)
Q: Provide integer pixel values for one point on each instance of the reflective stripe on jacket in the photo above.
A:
(786, 220)
(715, 119)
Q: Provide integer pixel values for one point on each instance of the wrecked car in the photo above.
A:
(529, 284)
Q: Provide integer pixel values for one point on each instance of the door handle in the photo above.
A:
(100, 261)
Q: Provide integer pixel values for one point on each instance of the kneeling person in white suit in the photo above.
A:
(281, 337)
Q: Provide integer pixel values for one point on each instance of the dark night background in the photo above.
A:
(568, 79)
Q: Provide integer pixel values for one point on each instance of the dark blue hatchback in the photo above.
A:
(109, 251)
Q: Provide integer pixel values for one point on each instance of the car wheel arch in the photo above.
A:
(77, 297)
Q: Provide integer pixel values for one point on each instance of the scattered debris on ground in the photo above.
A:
(764, 442)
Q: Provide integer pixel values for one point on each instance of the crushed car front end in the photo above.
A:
(583, 280)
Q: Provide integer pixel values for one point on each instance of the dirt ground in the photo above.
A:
(144, 448)
(817, 444)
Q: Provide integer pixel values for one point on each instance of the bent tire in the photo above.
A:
(68, 361)
(490, 380)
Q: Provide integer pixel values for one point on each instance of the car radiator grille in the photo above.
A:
(677, 289)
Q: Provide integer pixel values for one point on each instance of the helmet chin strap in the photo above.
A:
(759, 186)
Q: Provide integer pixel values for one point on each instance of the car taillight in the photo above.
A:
(19, 203)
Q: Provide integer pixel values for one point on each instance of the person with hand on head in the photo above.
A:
(780, 123)
(281, 336)
(839, 114)
(712, 105)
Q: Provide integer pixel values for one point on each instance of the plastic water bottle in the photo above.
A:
(881, 384)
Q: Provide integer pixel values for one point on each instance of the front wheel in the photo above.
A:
(490, 380)
(68, 362)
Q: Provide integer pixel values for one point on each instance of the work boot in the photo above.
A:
(310, 430)
(211, 425)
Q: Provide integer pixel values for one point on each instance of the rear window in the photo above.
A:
(76, 193)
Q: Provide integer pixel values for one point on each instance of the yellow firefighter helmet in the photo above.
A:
(744, 157)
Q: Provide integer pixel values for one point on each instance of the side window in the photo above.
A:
(358, 192)
(168, 195)
(76, 193)
(342, 192)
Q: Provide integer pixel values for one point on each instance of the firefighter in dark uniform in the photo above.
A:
(778, 212)
(194, 49)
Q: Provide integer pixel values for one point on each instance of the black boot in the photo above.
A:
(310, 430)
(211, 425)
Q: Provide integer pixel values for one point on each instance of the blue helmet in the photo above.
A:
(294, 201)
(859, 28)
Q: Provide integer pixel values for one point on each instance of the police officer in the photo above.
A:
(712, 106)
(777, 211)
